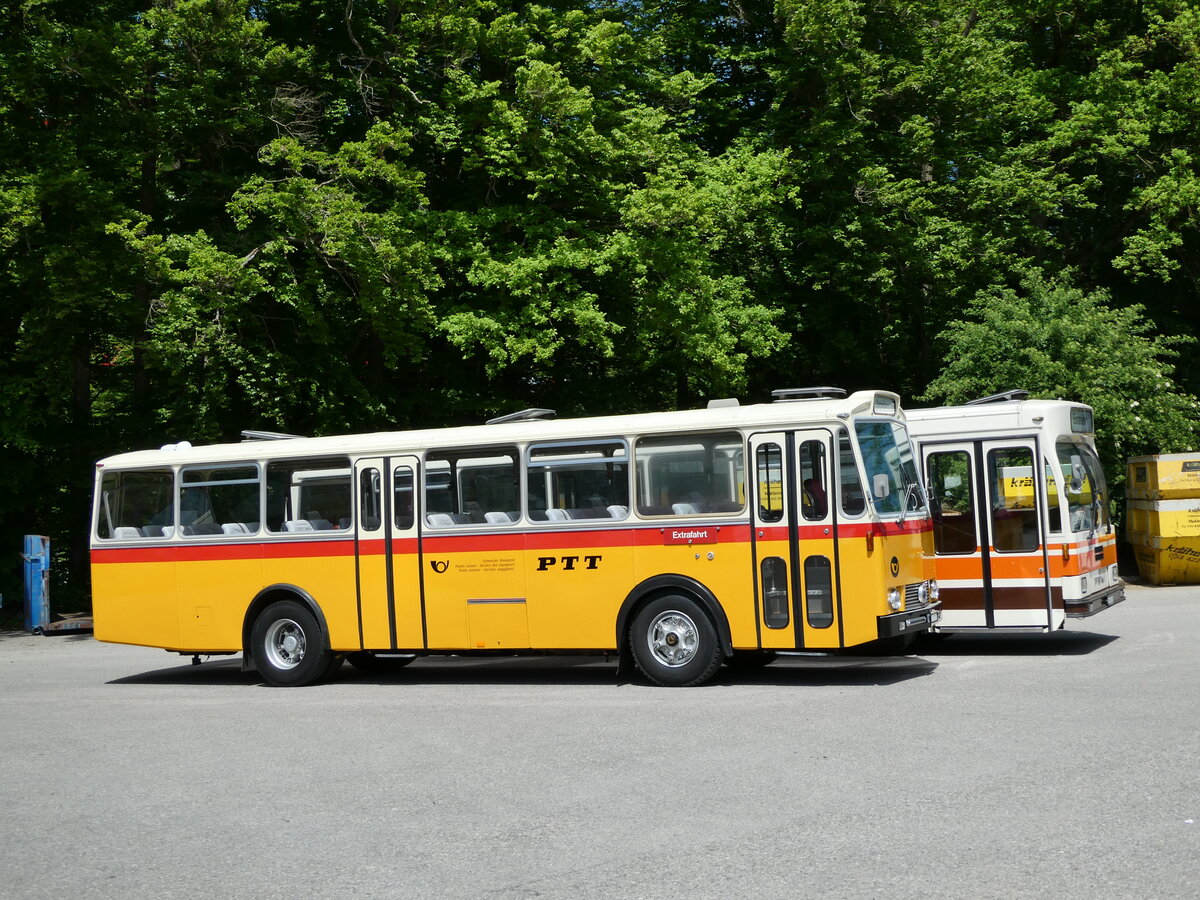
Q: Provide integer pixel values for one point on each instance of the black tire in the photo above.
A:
(750, 659)
(674, 642)
(366, 661)
(289, 647)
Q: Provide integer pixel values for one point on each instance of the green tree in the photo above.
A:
(1055, 340)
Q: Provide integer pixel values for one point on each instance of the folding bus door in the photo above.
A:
(989, 501)
(794, 541)
(387, 550)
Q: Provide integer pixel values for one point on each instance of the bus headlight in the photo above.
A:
(934, 592)
(923, 593)
(894, 598)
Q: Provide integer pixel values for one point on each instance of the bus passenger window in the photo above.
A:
(768, 461)
(136, 504)
(308, 495)
(854, 501)
(219, 500)
(688, 475)
(814, 497)
(472, 487)
(586, 480)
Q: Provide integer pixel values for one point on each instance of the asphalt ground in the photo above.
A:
(1063, 765)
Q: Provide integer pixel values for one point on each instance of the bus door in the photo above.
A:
(387, 553)
(989, 531)
(795, 537)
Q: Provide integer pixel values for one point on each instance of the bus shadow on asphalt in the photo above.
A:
(1054, 643)
(222, 670)
(807, 671)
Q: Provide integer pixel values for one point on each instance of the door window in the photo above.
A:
(1014, 499)
(953, 502)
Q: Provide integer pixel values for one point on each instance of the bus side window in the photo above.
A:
(585, 480)
(308, 495)
(854, 501)
(687, 475)
(219, 500)
(472, 487)
(136, 504)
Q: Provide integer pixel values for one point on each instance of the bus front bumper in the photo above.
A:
(1081, 609)
(915, 621)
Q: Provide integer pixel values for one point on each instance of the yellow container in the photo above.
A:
(1169, 476)
(1167, 560)
(1164, 518)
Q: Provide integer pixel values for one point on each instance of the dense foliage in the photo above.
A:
(316, 217)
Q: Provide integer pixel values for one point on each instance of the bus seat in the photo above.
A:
(684, 509)
(616, 511)
(718, 506)
(152, 531)
(556, 515)
(297, 525)
(440, 520)
(126, 532)
(235, 528)
(202, 528)
(319, 524)
(168, 531)
(497, 518)
(344, 522)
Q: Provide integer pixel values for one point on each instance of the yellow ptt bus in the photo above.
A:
(1022, 525)
(677, 540)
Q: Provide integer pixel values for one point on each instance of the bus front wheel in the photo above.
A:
(674, 642)
(289, 647)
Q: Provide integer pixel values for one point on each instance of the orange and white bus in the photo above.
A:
(677, 540)
(1022, 530)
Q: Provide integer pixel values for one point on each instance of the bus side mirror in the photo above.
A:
(881, 486)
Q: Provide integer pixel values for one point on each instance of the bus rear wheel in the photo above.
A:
(289, 647)
(674, 642)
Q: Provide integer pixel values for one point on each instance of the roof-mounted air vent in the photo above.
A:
(525, 415)
(268, 436)
(1002, 397)
(809, 393)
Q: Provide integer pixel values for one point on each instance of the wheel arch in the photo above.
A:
(671, 584)
(273, 593)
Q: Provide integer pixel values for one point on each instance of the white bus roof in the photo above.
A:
(779, 414)
(1002, 417)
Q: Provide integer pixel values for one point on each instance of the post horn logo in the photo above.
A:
(895, 567)
(440, 565)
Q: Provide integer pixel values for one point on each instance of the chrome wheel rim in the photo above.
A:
(673, 639)
(285, 644)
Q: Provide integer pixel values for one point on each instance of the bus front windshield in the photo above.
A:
(1087, 493)
(892, 482)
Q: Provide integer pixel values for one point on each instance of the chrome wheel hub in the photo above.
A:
(285, 644)
(673, 639)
